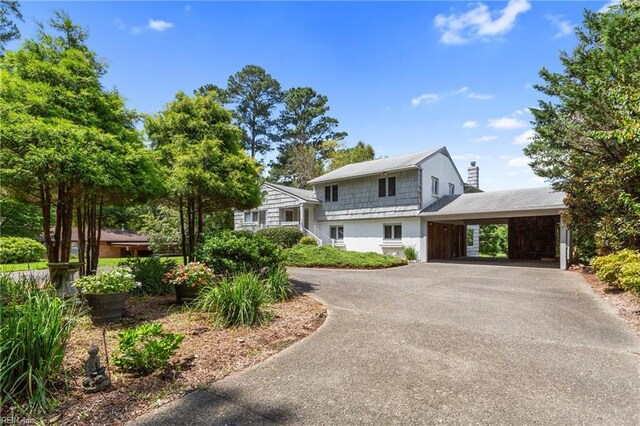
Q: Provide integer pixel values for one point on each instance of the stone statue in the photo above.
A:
(95, 377)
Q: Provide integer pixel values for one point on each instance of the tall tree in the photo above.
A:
(254, 96)
(340, 157)
(8, 29)
(206, 166)
(303, 122)
(72, 143)
(19, 219)
(587, 139)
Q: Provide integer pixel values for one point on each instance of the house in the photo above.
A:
(417, 200)
(117, 243)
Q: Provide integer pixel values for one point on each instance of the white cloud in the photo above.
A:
(461, 90)
(524, 138)
(487, 138)
(479, 22)
(470, 124)
(607, 5)
(518, 162)
(478, 96)
(563, 26)
(507, 123)
(188, 8)
(159, 25)
(122, 26)
(506, 157)
(426, 98)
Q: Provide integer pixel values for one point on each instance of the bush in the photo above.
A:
(230, 252)
(410, 253)
(284, 236)
(621, 269)
(35, 328)
(116, 280)
(327, 256)
(146, 348)
(308, 241)
(193, 274)
(235, 301)
(20, 250)
(277, 287)
(150, 273)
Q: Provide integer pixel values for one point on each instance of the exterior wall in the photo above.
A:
(358, 198)
(273, 201)
(107, 250)
(441, 167)
(368, 235)
(533, 238)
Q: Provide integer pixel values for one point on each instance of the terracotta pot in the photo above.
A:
(186, 293)
(106, 308)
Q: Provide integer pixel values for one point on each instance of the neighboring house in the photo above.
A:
(417, 200)
(117, 243)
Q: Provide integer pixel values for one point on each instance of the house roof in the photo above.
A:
(373, 167)
(303, 194)
(113, 235)
(497, 202)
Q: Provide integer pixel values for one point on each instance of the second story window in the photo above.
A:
(387, 187)
(330, 193)
(452, 189)
(435, 186)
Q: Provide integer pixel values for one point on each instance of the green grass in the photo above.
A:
(331, 257)
(499, 255)
(15, 267)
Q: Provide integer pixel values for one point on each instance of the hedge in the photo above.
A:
(20, 250)
(284, 236)
(621, 269)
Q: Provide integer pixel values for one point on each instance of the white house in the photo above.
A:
(417, 200)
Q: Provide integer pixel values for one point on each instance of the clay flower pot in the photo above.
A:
(106, 308)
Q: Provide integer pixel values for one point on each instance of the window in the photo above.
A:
(435, 186)
(452, 189)
(330, 193)
(387, 187)
(262, 217)
(288, 215)
(336, 232)
(392, 232)
(250, 217)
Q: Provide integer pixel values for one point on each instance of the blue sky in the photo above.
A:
(402, 77)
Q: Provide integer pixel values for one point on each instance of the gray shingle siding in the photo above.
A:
(274, 201)
(358, 198)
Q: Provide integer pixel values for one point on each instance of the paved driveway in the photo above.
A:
(438, 343)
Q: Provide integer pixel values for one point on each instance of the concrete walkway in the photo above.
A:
(438, 343)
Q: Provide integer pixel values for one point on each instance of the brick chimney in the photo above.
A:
(473, 175)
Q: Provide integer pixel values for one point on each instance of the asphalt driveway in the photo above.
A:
(438, 343)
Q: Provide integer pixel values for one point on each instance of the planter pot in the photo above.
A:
(186, 294)
(106, 308)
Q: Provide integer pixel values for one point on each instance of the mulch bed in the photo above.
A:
(207, 354)
(626, 304)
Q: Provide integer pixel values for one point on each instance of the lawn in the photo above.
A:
(331, 257)
(16, 267)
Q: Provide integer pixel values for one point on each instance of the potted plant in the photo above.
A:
(106, 292)
(189, 279)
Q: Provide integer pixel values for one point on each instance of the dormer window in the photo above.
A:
(387, 187)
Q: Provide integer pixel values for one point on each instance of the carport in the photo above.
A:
(536, 230)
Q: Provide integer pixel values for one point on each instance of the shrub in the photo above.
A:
(193, 274)
(630, 276)
(284, 236)
(146, 348)
(608, 268)
(277, 287)
(115, 280)
(20, 250)
(230, 252)
(150, 273)
(235, 301)
(331, 257)
(35, 328)
(308, 241)
(410, 253)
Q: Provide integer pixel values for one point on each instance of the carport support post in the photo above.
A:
(424, 230)
(565, 245)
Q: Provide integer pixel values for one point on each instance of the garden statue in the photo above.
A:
(95, 377)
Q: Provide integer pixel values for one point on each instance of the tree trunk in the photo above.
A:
(183, 238)
(45, 205)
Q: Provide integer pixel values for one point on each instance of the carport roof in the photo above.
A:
(509, 203)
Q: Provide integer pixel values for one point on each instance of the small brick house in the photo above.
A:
(118, 243)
